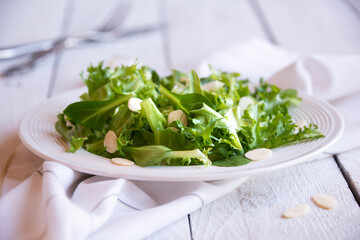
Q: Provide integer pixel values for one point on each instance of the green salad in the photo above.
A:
(180, 119)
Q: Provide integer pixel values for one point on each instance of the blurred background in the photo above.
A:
(184, 32)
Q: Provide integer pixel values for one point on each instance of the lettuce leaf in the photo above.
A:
(217, 132)
(154, 155)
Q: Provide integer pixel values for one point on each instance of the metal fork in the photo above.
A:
(110, 30)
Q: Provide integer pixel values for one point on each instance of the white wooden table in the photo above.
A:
(194, 30)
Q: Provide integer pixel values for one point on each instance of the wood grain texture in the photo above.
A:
(254, 210)
(350, 164)
(197, 28)
(39, 20)
(178, 230)
(323, 26)
(19, 93)
(147, 48)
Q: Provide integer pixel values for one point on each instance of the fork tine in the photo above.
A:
(117, 16)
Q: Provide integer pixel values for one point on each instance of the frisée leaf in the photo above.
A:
(215, 126)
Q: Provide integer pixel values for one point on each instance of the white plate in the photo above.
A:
(38, 133)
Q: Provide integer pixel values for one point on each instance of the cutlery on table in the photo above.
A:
(111, 30)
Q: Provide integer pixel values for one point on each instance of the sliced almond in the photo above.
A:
(296, 211)
(110, 141)
(122, 162)
(259, 154)
(244, 103)
(212, 86)
(134, 104)
(324, 201)
(177, 115)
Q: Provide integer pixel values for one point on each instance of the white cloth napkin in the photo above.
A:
(55, 202)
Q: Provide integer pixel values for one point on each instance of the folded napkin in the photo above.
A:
(55, 202)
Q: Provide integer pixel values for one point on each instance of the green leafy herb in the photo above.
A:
(160, 155)
(216, 130)
(185, 102)
(233, 161)
(93, 114)
(76, 143)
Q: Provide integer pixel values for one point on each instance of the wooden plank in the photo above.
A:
(147, 48)
(254, 210)
(90, 14)
(197, 28)
(19, 93)
(349, 163)
(178, 230)
(323, 26)
(25, 21)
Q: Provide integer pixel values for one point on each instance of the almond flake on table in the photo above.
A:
(324, 201)
(110, 141)
(134, 104)
(122, 162)
(259, 154)
(296, 211)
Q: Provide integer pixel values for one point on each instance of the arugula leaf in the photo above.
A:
(122, 120)
(167, 137)
(233, 161)
(62, 128)
(68, 133)
(185, 102)
(154, 117)
(195, 84)
(76, 143)
(96, 147)
(160, 155)
(93, 114)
